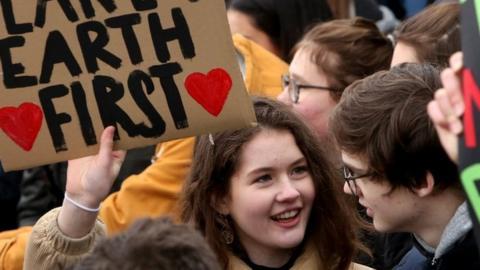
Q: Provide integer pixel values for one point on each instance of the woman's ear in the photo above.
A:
(427, 187)
(221, 205)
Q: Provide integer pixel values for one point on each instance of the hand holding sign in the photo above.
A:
(448, 106)
(89, 181)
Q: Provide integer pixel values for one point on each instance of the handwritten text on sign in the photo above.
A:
(155, 70)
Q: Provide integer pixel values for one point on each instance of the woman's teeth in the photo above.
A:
(286, 215)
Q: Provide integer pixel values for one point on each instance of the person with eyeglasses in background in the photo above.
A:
(396, 167)
(329, 57)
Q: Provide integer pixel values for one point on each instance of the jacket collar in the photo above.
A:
(456, 229)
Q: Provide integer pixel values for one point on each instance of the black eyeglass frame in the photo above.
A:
(350, 179)
(294, 89)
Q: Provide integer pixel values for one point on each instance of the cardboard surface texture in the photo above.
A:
(157, 70)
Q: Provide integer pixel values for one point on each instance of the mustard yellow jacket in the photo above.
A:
(155, 191)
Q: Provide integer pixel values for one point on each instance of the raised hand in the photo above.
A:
(448, 107)
(89, 181)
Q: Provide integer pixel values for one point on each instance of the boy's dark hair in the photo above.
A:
(383, 119)
(152, 244)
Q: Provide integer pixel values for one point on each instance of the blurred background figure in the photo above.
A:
(404, 9)
(368, 9)
(276, 25)
(162, 244)
(431, 36)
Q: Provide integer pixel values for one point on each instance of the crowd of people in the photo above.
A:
(352, 163)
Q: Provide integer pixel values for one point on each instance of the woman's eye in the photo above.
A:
(300, 170)
(263, 178)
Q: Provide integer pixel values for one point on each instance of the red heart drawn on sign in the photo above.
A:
(22, 124)
(211, 90)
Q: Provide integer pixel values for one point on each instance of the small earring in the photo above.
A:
(227, 236)
(226, 230)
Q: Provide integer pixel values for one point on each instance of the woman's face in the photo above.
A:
(241, 23)
(314, 105)
(271, 196)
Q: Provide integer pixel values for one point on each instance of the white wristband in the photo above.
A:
(83, 207)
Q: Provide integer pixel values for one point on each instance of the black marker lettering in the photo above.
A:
(9, 18)
(142, 5)
(125, 23)
(54, 120)
(107, 93)
(94, 49)
(80, 102)
(165, 73)
(41, 11)
(10, 70)
(57, 51)
(161, 36)
(89, 11)
(136, 80)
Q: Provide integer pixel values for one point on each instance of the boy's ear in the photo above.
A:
(427, 187)
(220, 205)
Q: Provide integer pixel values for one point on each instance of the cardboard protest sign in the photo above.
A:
(157, 70)
(469, 148)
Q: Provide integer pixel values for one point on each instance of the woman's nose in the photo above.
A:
(288, 192)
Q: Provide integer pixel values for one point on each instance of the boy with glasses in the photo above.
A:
(397, 168)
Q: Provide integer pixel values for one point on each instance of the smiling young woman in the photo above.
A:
(267, 197)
